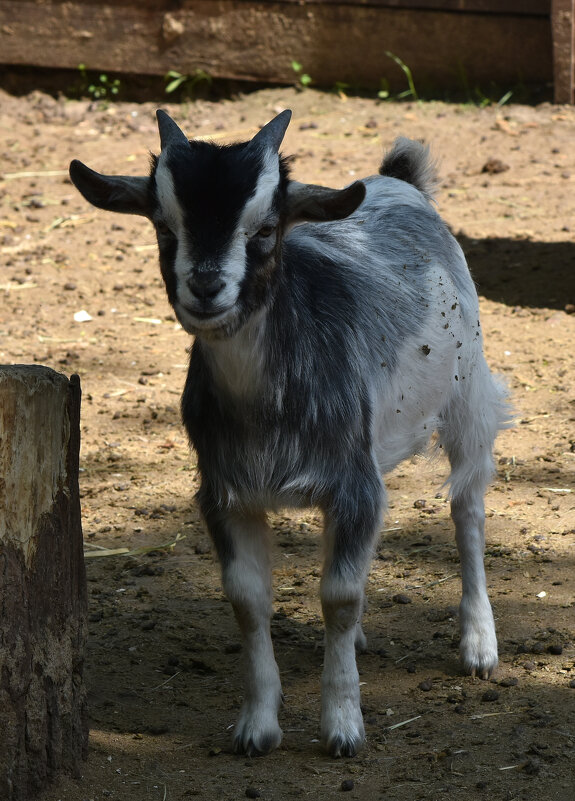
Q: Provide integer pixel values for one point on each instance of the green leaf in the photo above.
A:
(173, 85)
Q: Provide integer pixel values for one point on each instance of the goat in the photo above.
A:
(335, 331)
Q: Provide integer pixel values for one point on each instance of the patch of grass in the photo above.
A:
(407, 93)
(303, 79)
(187, 84)
(100, 88)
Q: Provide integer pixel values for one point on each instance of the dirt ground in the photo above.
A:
(81, 292)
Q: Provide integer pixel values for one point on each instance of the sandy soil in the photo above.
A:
(163, 660)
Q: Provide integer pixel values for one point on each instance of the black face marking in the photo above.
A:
(212, 185)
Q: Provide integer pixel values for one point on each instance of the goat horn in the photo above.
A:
(272, 134)
(170, 133)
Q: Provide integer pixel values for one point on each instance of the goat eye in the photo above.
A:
(163, 229)
(266, 231)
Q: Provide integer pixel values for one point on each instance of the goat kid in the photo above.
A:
(335, 331)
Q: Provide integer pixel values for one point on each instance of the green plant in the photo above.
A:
(383, 93)
(340, 88)
(100, 89)
(411, 92)
(484, 100)
(186, 82)
(477, 97)
(304, 80)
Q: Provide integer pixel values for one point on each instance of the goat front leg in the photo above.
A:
(478, 646)
(350, 535)
(242, 543)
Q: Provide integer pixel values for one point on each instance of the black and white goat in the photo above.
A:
(335, 331)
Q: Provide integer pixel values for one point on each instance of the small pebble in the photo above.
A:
(425, 685)
(156, 729)
(400, 598)
(555, 649)
(347, 784)
(532, 767)
(494, 166)
(572, 684)
(252, 792)
(490, 695)
(509, 682)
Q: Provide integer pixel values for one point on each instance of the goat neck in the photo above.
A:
(237, 363)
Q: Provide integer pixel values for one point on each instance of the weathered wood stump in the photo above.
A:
(43, 717)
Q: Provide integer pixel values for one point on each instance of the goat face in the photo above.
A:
(219, 214)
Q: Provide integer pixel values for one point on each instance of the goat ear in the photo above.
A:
(310, 203)
(170, 133)
(120, 193)
(271, 135)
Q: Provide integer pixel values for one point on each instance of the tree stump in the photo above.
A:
(43, 715)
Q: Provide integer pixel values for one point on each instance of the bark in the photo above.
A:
(43, 716)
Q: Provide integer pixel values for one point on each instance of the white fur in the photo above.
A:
(256, 210)
(237, 363)
(247, 585)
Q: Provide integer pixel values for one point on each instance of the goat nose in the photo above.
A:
(205, 285)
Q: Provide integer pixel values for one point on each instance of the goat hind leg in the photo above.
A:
(478, 645)
(468, 431)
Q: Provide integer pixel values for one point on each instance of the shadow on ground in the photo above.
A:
(519, 272)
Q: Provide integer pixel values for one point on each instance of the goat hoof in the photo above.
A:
(253, 740)
(345, 738)
(344, 746)
(265, 744)
(480, 663)
(484, 673)
(478, 646)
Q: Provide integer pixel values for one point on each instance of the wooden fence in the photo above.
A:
(445, 43)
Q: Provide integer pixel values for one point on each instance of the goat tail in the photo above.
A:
(410, 161)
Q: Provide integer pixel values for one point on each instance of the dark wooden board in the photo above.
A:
(258, 41)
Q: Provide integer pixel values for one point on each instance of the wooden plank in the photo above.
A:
(516, 7)
(563, 32)
(541, 8)
(258, 41)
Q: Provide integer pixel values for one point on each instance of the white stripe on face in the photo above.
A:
(255, 213)
(258, 207)
(171, 209)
